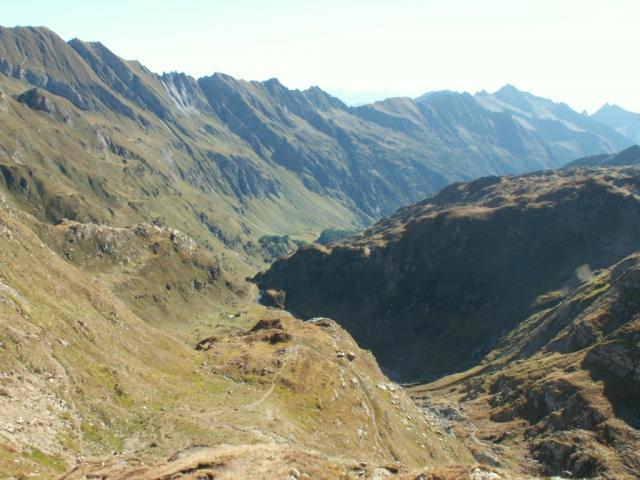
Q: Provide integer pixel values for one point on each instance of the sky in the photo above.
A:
(582, 52)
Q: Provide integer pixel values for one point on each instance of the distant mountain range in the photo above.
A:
(624, 122)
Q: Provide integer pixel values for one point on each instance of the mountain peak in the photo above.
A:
(511, 95)
(623, 121)
(443, 96)
(508, 88)
(611, 107)
(273, 82)
(28, 28)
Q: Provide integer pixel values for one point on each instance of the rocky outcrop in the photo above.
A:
(273, 298)
(148, 266)
(36, 100)
(564, 382)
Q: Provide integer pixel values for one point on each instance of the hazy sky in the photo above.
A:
(583, 52)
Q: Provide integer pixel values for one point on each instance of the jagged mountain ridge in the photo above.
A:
(260, 147)
(432, 287)
(529, 128)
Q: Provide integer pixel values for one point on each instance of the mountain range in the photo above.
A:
(251, 147)
(629, 156)
(138, 211)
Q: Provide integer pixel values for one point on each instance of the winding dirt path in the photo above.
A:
(292, 356)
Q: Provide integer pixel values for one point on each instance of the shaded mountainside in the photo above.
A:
(568, 130)
(561, 389)
(630, 156)
(623, 121)
(431, 288)
(94, 138)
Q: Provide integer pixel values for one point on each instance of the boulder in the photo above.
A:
(206, 344)
(266, 324)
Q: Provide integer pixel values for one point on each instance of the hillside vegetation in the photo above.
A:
(86, 371)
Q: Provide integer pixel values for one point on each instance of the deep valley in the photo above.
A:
(214, 278)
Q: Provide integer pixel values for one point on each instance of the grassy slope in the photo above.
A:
(97, 165)
(82, 374)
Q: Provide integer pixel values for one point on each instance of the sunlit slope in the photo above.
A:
(82, 374)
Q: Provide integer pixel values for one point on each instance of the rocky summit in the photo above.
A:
(214, 278)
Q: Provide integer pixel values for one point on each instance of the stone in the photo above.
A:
(36, 100)
(278, 337)
(267, 324)
(206, 344)
(295, 473)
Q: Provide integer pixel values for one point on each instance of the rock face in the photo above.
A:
(563, 384)
(431, 288)
(36, 100)
(273, 298)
